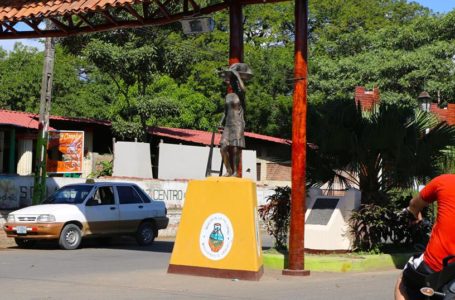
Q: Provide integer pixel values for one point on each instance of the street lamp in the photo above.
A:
(424, 101)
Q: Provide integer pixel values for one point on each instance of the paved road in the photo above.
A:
(125, 271)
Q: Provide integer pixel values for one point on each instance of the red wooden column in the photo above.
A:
(297, 226)
(235, 45)
(235, 32)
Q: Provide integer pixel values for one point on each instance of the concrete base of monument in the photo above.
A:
(218, 234)
(217, 273)
(296, 272)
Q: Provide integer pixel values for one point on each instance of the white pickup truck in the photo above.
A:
(92, 209)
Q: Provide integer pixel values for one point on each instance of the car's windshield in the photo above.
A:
(74, 194)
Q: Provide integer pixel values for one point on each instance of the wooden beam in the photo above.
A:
(133, 12)
(9, 27)
(78, 24)
(69, 19)
(235, 32)
(185, 6)
(158, 10)
(33, 26)
(194, 5)
(59, 25)
(109, 26)
(89, 24)
(145, 9)
(148, 19)
(163, 8)
(108, 17)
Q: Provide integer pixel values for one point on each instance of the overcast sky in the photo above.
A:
(436, 5)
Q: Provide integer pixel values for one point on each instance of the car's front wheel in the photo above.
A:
(24, 243)
(70, 237)
(145, 234)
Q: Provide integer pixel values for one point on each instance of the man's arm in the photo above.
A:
(416, 205)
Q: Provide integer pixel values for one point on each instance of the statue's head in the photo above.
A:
(240, 71)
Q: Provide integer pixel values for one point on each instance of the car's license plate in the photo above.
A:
(21, 229)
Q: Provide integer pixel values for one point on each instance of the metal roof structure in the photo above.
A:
(25, 18)
(204, 137)
(31, 121)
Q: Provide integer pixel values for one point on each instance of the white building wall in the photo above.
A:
(190, 162)
(87, 161)
(25, 155)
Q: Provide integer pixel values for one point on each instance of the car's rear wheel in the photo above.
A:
(70, 237)
(24, 243)
(145, 234)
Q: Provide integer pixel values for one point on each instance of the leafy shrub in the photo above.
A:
(103, 168)
(373, 226)
(276, 215)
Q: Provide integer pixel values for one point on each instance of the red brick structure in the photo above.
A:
(367, 99)
(444, 114)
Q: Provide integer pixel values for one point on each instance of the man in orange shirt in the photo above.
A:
(442, 240)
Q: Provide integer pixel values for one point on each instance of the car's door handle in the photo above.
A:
(140, 206)
(112, 208)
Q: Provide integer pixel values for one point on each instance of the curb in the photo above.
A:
(339, 263)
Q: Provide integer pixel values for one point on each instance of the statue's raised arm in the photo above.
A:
(233, 139)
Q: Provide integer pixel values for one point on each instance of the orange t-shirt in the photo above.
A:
(442, 240)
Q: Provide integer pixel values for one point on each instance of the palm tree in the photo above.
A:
(390, 147)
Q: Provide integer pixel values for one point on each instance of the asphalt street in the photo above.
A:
(126, 271)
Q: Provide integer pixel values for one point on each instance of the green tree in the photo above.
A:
(72, 94)
(387, 149)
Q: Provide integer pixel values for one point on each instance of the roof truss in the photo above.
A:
(25, 18)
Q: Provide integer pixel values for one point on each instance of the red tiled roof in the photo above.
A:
(444, 114)
(29, 120)
(205, 137)
(13, 10)
(19, 119)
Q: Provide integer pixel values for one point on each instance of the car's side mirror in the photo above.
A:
(91, 202)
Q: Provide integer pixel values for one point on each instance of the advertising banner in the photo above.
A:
(65, 151)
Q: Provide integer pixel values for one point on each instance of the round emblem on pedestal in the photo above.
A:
(216, 237)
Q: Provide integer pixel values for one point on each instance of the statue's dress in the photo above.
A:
(235, 123)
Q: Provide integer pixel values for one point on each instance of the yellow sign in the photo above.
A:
(65, 151)
(218, 235)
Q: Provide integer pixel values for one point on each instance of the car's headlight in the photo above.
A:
(46, 218)
(11, 219)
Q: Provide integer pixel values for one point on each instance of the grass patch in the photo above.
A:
(349, 262)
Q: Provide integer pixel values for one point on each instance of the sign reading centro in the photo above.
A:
(216, 237)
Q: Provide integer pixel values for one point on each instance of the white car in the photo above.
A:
(91, 209)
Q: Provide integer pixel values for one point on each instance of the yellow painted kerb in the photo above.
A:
(234, 198)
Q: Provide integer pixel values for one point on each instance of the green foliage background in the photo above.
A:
(158, 76)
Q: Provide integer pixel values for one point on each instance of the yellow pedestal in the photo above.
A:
(218, 235)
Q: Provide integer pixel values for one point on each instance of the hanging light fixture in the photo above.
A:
(424, 101)
(195, 25)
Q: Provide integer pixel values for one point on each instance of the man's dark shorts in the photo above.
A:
(415, 268)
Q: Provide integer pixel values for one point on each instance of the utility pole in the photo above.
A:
(39, 188)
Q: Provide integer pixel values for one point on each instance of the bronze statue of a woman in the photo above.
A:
(233, 139)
